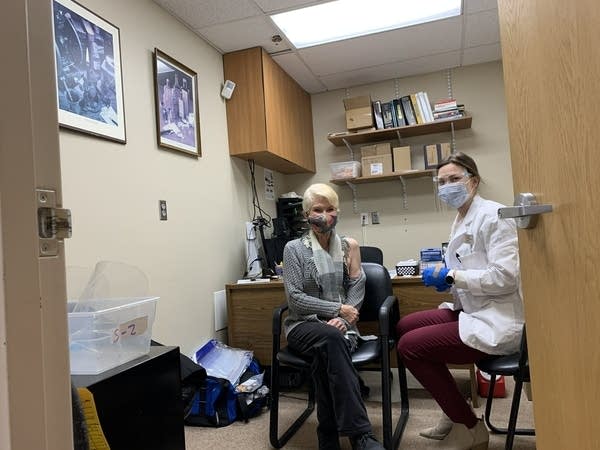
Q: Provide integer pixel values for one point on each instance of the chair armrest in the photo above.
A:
(388, 315)
(278, 318)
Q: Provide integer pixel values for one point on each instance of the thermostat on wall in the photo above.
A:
(227, 90)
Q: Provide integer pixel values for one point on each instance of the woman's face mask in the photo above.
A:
(322, 223)
(322, 216)
(454, 194)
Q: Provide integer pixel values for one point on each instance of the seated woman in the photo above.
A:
(486, 317)
(325, 286)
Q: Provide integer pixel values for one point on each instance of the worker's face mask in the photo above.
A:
(323, 223)
(454, 194)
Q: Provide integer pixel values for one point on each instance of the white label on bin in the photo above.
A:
(376, 168)
(133, 327)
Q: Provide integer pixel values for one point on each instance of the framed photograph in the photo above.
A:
(89, 83)
(176, 104)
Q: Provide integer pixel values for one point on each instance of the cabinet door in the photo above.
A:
(246, 125)
(288, 116)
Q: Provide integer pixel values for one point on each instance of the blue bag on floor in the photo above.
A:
(213, 400)
(214, 404)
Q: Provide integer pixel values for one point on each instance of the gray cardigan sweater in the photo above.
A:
(302, 289)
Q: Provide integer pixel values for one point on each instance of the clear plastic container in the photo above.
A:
(104, 333)
(344, 170)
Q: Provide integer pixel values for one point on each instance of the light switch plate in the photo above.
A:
(375, 217)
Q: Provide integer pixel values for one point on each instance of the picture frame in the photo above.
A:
(89, 77)
(176, 105)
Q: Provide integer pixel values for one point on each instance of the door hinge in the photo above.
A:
(54, 224)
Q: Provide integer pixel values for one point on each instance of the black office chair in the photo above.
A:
(517, 366)
(371, 254)
(379, 306)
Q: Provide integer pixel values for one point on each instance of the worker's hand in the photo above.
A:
(349, 314)
(338, 323)
(436, 276)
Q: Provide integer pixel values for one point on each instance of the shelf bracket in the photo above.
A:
(399, 137)
(349, 147)
(452, 139)
(352, 187)
(404, 196)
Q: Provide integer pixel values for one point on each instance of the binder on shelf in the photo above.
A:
(409, 112)
(386, 113)
(416, 108)
(399, 113)
(377, 114)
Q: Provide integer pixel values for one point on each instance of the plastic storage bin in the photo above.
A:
(344, 170)
(104, 333)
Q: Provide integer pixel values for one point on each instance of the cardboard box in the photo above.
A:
(436, 153)
(383, 148)
(401, 159)
(377, 165)
(359, 112)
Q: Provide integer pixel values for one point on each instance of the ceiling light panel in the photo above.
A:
(345, 19)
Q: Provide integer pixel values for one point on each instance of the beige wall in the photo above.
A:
(403, 232)
(113, 189)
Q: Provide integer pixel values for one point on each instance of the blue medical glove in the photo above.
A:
(436, 276)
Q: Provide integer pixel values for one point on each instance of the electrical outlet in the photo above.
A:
(364, 219)
(375, 218)
(162, 209)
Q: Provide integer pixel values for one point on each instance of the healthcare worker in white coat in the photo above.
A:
(486, 317)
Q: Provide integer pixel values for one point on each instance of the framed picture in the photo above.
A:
(89, 83)
(176, 104)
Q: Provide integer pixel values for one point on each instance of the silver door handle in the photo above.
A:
(525, 211)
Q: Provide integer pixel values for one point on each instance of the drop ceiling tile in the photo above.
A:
(481, 54)
(384, 48)
(269, 6)
(246, 33)
(402, 69)
(482, 28)
(295, 67)
(210, 12)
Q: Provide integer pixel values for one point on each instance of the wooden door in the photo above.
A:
(35, 397)
(552, 79)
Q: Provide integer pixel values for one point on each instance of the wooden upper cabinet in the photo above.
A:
(269, 116)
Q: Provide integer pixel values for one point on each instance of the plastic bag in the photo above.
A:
(222, 361)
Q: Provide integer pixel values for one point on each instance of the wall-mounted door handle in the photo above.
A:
(526, 210)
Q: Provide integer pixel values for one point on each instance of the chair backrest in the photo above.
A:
(378, 287)
(371, 254)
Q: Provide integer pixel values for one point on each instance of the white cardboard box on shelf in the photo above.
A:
(105, 333)
(344, 170)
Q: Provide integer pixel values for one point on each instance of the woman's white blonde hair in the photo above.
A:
(319, 190)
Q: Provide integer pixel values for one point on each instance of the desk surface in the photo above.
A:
(278, 284)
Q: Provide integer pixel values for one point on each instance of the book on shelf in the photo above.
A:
(425, 108)
(444, 104)
(428, 106)
(451, 114)
(409, 112)
(377, 114)
(387, 114)
(399, 113)
(417, 108)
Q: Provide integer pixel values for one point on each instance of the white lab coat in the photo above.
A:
(485, 251)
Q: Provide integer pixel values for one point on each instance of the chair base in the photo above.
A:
(512, 429)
